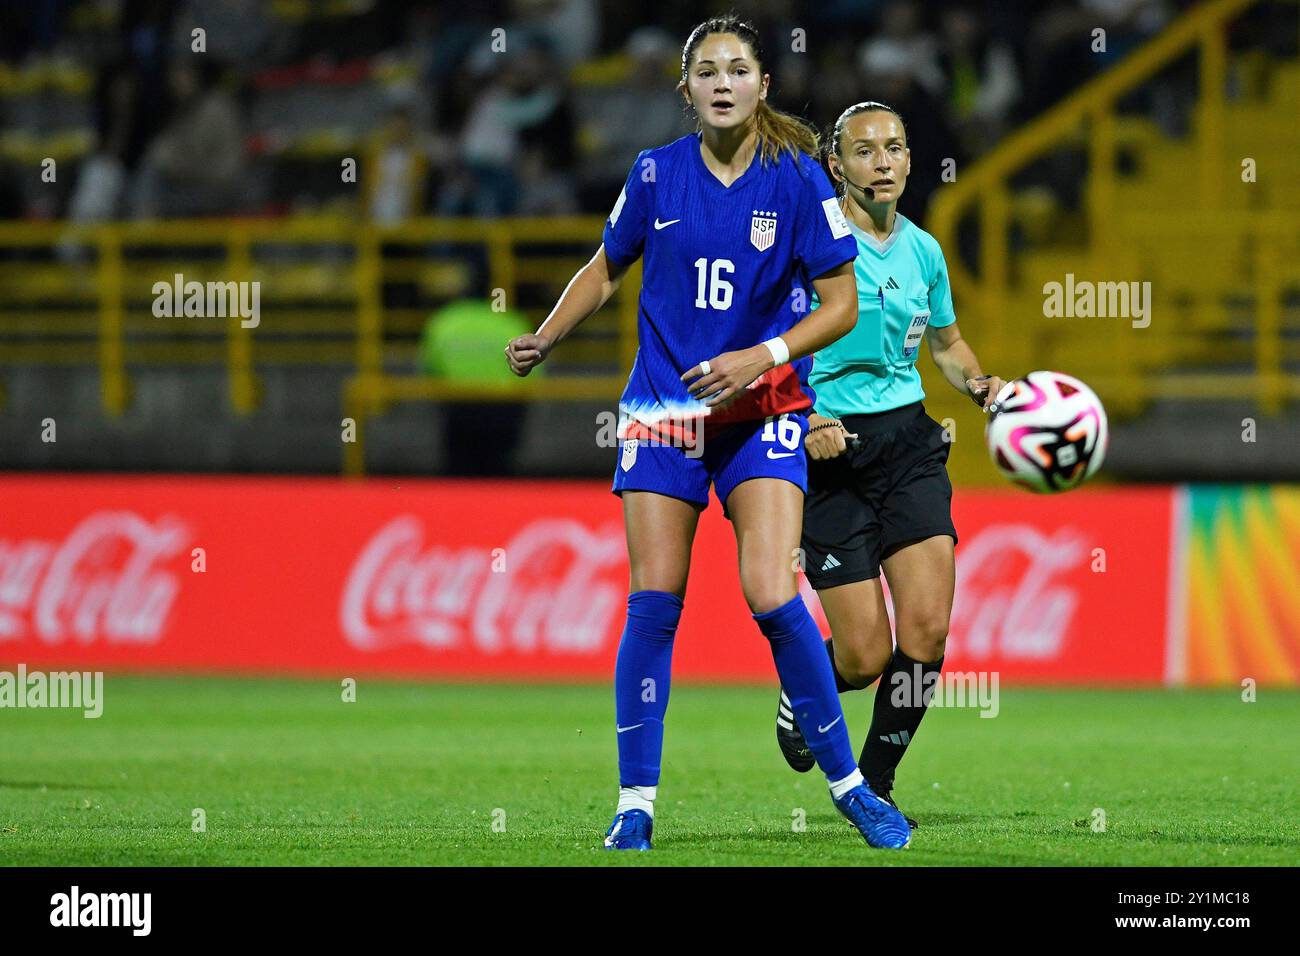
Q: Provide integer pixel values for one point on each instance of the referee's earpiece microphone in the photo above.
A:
(871, 192)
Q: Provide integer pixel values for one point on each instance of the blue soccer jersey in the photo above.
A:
(726, 267)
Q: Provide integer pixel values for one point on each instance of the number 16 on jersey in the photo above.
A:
(719, 289)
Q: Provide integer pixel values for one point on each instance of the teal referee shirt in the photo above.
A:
(902, 289)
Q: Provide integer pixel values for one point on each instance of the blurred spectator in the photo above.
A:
(570, 27)
(642, 111)
(544, 190)
(929, 135)
(835, 88)
(1059, 48)
(982, 82)
(455, 35)
(196, 165)
(100, 191)
(398, 166)
(524, 107)
(236, 32)
(903, 46)
(496, 133)
(1128, 23)
(462, 343)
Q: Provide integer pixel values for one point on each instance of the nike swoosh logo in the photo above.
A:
(609, 840)
(774, 454)
(822, 730)
(623, 730)
(660, 225)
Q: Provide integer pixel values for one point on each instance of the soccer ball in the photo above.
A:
(1047, 432)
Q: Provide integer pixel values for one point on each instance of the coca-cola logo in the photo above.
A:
(556, 587)
(103, 580)
(1011, 598)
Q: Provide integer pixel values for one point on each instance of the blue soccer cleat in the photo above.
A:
(630, 830)
(880, 824)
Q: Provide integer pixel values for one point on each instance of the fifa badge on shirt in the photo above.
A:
(762, 229)
(914, 332)
(629, 453)
(835, 218)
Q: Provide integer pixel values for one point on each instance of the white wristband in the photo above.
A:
(780, 351)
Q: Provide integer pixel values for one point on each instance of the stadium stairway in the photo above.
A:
(1218, 242)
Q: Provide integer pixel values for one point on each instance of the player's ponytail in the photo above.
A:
(777, 131)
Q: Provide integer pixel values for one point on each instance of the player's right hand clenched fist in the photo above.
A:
(526, 351)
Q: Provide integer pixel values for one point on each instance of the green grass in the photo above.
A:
(411, 774)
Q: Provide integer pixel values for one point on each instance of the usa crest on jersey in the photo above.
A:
(762, 229)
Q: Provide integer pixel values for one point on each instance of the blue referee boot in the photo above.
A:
(630, 830)
(880, 824)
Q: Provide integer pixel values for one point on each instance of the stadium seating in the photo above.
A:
(1218, 251)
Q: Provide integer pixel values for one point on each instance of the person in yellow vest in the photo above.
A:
(461, 343)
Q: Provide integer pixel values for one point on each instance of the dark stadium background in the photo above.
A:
(291, 88)
(354, 488)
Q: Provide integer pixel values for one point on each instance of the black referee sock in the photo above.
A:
(902, 696)
(841, 685)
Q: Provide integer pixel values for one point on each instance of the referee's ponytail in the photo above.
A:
(777, 131)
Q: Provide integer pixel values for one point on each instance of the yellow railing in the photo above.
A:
(371, 390)
(105, 286)
(1011, 340)
(102, 278)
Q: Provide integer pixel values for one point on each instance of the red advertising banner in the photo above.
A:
(1064, 588)
(513, 580)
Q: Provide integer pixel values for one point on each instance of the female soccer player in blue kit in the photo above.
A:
(734, 222)
(884, 500)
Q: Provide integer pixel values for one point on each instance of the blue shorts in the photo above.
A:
(764, 448)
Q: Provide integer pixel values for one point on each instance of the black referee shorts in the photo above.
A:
(892, 489)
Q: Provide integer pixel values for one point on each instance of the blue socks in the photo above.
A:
(805, 672)
(641, 678)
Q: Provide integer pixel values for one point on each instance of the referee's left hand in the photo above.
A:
(984, 390)
(824, 443)
(729, 374)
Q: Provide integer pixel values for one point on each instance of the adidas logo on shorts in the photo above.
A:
(830, 563)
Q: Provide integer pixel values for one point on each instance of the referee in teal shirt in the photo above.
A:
(878, 490)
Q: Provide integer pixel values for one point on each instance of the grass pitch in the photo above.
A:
(288, 774)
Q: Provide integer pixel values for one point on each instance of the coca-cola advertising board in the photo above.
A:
(515, 580)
